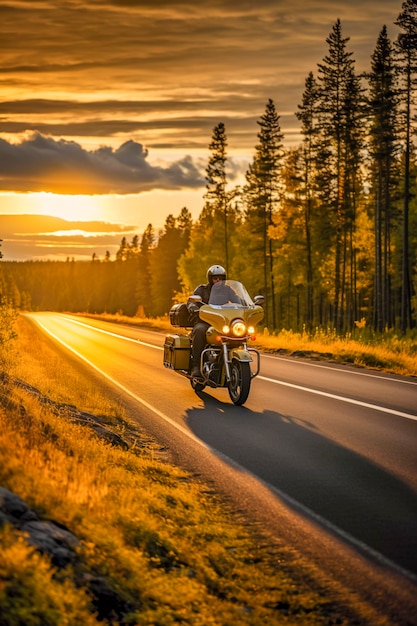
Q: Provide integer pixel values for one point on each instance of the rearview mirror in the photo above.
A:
(194, 298)
(259, 300)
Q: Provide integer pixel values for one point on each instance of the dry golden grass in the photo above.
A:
(386, 352)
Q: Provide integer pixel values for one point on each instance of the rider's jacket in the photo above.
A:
(203, 291)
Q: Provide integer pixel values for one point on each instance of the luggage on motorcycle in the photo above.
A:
(177, 352)
(180, 316)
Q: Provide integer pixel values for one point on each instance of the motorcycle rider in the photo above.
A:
(216, 275)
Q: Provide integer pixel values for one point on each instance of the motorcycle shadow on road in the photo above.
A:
(333, 481)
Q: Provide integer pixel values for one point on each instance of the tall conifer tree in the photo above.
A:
(407, 49)
(262, 195)
(383, 111)
(143, 287)
(212, 237)
(307, 114)
(341, 128)
(217, 202)
(165, 282)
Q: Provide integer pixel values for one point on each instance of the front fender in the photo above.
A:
(240, 354)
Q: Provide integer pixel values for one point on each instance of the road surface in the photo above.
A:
(322, 457)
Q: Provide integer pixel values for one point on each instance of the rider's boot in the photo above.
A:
(195, 369)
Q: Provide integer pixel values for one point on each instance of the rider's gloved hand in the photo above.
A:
(193, 307)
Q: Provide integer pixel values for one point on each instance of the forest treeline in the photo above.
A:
(326, 230)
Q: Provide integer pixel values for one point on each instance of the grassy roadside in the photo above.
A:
(164, 549)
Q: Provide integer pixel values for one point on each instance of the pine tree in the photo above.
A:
(407, 51)
(262, 195)
(290, 244)
(217, 201)
(143, 287)
(122, 251)
(307, 114)
(213, 236)
(172, 242)
(340, 118)
(383, 111)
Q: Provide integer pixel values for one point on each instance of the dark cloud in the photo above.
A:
(41, 163)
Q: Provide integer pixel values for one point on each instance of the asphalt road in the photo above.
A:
(322, 457)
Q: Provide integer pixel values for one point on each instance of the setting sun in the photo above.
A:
(73, 208)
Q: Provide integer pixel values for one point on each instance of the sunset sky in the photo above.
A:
(107, 107)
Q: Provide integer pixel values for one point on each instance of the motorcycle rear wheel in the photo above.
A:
(240, 379)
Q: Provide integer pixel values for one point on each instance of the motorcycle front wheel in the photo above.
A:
(239, 385)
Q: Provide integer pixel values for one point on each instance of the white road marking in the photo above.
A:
(335, 369)
(365, 405)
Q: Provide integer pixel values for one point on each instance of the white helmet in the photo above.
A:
(216, 270)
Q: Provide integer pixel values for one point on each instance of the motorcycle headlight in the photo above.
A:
(238, 328)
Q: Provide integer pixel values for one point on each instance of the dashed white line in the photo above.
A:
(332, 396)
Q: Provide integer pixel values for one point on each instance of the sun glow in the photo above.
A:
(74, 233)
(73, 208)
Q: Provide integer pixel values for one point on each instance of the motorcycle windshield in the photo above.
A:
(229, 294)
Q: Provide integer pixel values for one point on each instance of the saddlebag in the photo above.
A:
(179, 316)
(177, 352)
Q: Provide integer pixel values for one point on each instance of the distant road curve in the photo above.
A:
(323, 457)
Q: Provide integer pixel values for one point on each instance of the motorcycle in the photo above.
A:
(226, 360)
